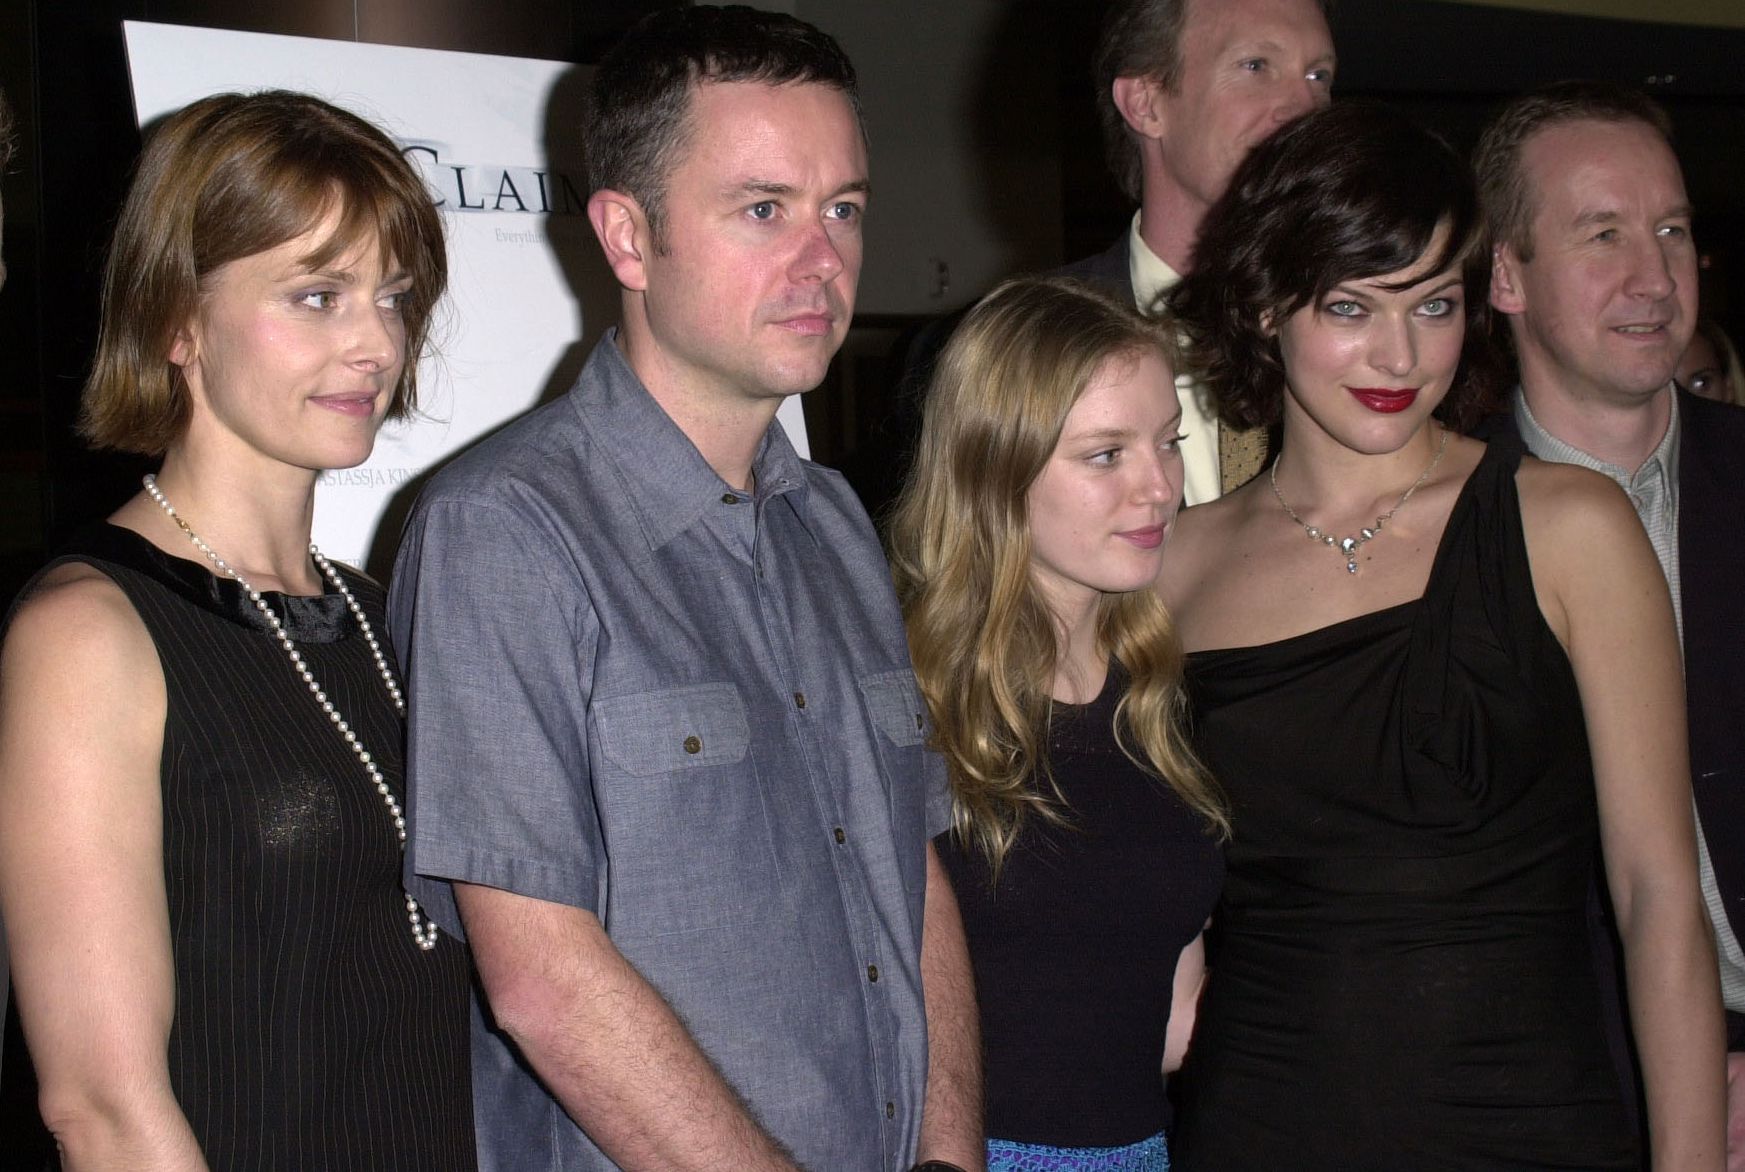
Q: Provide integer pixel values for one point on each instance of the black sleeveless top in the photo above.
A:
(1075, 949)
(1404, 978)
(310, 1031)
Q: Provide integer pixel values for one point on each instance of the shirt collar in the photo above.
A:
(667, 481)
(1149, 272)
(1663, 459)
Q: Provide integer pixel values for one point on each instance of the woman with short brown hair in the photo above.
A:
(215, 962)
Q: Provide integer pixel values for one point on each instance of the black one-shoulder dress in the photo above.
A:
(1405, 978)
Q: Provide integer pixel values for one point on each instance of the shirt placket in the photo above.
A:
(810, 723)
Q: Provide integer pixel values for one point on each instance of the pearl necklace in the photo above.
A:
(423, 931)
(1348, 546)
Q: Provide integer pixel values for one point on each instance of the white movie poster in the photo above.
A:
(498, 141)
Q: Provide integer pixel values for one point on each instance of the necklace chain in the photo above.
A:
(423, 931)
(1348, 546)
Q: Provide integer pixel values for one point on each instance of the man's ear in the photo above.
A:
(1506, 294)
(1140, 101)
(622, 229)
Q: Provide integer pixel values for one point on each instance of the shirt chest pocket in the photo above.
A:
(673, 731)
(684, 814)
(893, 701)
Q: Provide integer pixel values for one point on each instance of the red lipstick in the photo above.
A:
(1385, 400)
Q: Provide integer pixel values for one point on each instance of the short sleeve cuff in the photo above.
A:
(439, 865)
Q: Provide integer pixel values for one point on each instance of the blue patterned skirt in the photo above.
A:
(1148, 1155)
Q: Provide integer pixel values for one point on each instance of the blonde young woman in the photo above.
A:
(1085, 853)
(1433, 677)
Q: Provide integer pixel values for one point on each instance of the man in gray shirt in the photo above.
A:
(667, 756)
(1596, 271)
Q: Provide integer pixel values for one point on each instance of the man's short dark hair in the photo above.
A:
(640, 116)
(1502, 182)
(1349, 192)
(1140, 38)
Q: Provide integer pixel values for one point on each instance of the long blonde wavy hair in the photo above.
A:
(981, 636)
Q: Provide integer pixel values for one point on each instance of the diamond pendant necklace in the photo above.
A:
(423, 931)
(1348, 546)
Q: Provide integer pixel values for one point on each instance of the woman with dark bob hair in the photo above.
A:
(1431, 675)
(215, 963)
(1084, 851)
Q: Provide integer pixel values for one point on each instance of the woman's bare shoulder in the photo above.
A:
(1567, 503)
(1199, 543)
(1583, 536)
(82, 699)
(76, 621)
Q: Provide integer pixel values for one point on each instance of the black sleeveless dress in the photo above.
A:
(310, 1031)
(1405, 979)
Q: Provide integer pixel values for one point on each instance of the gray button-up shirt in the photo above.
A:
(689, 710)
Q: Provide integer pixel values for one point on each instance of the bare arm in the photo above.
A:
(1736, 1112)
(951, 1118)
(605, 1043)
(1609, 603)
(1184, 1006)
(81, 874)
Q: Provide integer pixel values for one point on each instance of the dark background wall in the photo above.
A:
(1453, 64)
(1029, 104)
(64, 67)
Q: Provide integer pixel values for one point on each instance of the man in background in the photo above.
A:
(1596, 270)
(1185, 89)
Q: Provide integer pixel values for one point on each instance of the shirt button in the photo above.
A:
(872, 973)
(920, 726)
(799, 699)
(728, 498)
(890, 1110)
(693, 745)
(840, 836)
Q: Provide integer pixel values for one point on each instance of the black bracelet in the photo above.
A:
(935, 1166)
